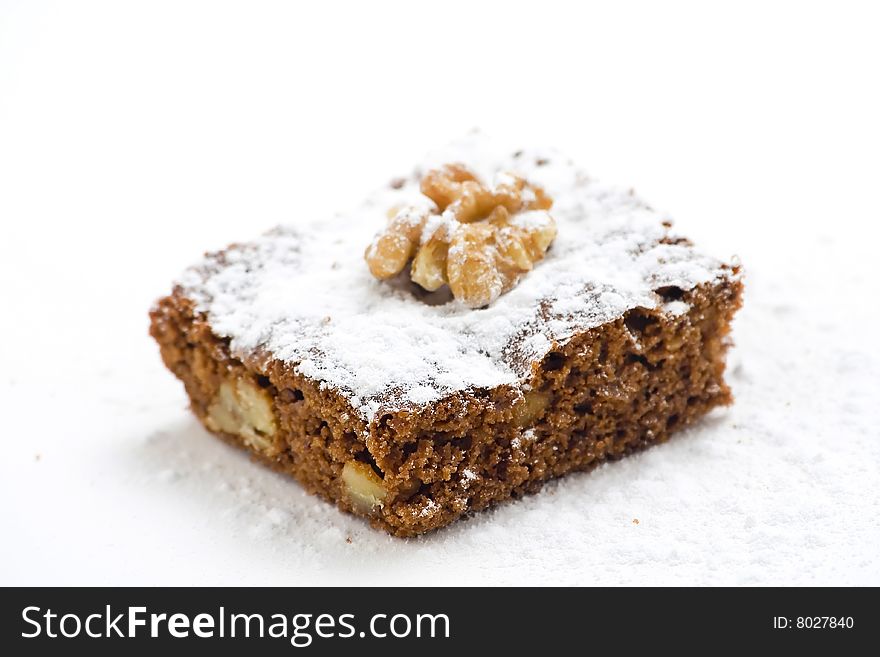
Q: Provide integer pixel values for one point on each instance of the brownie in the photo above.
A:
(412, 409)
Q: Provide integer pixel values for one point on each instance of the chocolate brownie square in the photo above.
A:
(414, 407)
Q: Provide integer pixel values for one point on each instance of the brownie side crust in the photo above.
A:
(606, 393)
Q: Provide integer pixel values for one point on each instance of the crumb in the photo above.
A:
(348, 539)
(635, 521)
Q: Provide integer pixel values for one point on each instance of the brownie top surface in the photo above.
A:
(304, 294)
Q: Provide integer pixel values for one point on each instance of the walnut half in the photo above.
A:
(480, 241)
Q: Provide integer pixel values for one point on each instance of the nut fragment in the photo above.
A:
(534, 404)
(396, 245)
(429, 266)
(480, 242)
(455, 189)
(242, 409)
(364, 486)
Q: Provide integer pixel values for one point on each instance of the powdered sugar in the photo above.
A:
(307, 297)
(531, 219)
(676, 308)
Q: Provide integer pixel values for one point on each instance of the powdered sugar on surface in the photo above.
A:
(306, 296)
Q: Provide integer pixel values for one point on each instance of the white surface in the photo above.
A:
(134, 137)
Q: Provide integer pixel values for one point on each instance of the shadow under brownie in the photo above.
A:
(414, 414)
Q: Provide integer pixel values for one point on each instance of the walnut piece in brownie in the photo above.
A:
(408, 407)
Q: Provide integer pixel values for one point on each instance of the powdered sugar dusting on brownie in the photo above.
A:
(307, 297)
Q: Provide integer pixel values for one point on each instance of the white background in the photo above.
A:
(134, 136)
